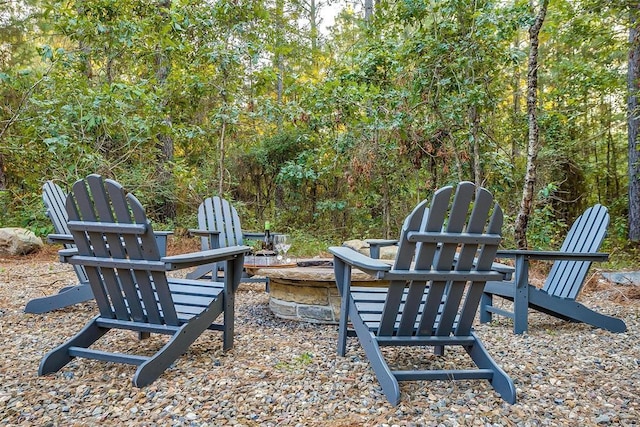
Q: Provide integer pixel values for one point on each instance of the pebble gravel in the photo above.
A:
(287, 373)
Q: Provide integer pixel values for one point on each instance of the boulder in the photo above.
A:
(386, 252)
(623, 277)
(358, 245)
(18, 241)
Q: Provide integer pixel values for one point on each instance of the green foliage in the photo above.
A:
(545, 227)
(24, 210)
(331, 137)
(297, 363)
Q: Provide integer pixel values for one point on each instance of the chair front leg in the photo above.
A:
(233, 272)
(342, 272)
(521, 295)
(485, 301)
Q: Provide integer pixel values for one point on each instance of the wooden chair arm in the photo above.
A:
(176, 262)
(507, 271)
(65, 239)
(203, 233)
(253, 235)
(362, 262)
(65, 254)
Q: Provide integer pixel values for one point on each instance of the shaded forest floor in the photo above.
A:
(284, 372)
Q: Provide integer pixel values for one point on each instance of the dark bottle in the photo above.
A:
(268, 242)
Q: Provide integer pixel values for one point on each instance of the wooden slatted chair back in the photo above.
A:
(54, 199)
(587, 233)
(217, 214)
(117, 246)
(464, 233)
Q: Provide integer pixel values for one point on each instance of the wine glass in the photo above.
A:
(277, 245)
(282, 245)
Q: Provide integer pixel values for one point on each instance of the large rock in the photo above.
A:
(358, 245)
(623, 277)
(386, 252)
(18, 241)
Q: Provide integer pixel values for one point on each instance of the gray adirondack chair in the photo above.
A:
(563, 284)
(54, 199)
(116, 246)
(218, 227)
(444, 259)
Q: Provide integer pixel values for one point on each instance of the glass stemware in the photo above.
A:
(282, 245)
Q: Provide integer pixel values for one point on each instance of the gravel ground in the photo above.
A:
(283, 373)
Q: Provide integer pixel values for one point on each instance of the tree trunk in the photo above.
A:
(221, 159)
(528, 192)
(313, 32)
(3, 177)
(368, 9)
(167, 207)
(633, 123)
(515, 150)
(475, 135)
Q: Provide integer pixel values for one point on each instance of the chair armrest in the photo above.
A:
(382, 242)
(161, 239)
(65, 239)
(553, 255)
(253, 235)
(203, 233)
(369, 265)
(506, 270)
(176, 262)
(66, 254)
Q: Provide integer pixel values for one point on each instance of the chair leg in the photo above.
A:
(573, 311)
(387, 380)
(59, 356)
(228, 316)
(520, 312)
(485, 301)
(151, 369)
(343, 275)
(521, 296)
(500, 381)
(580, 313)
(68, 296)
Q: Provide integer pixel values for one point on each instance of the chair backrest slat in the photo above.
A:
(448, 307)
(457, 220)
(217, 214)
(484, 255)
(404, 257)
(125, 288)
(54, 199)
(566, 278)
(85, 197)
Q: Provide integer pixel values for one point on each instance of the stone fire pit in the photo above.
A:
(308, 292)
